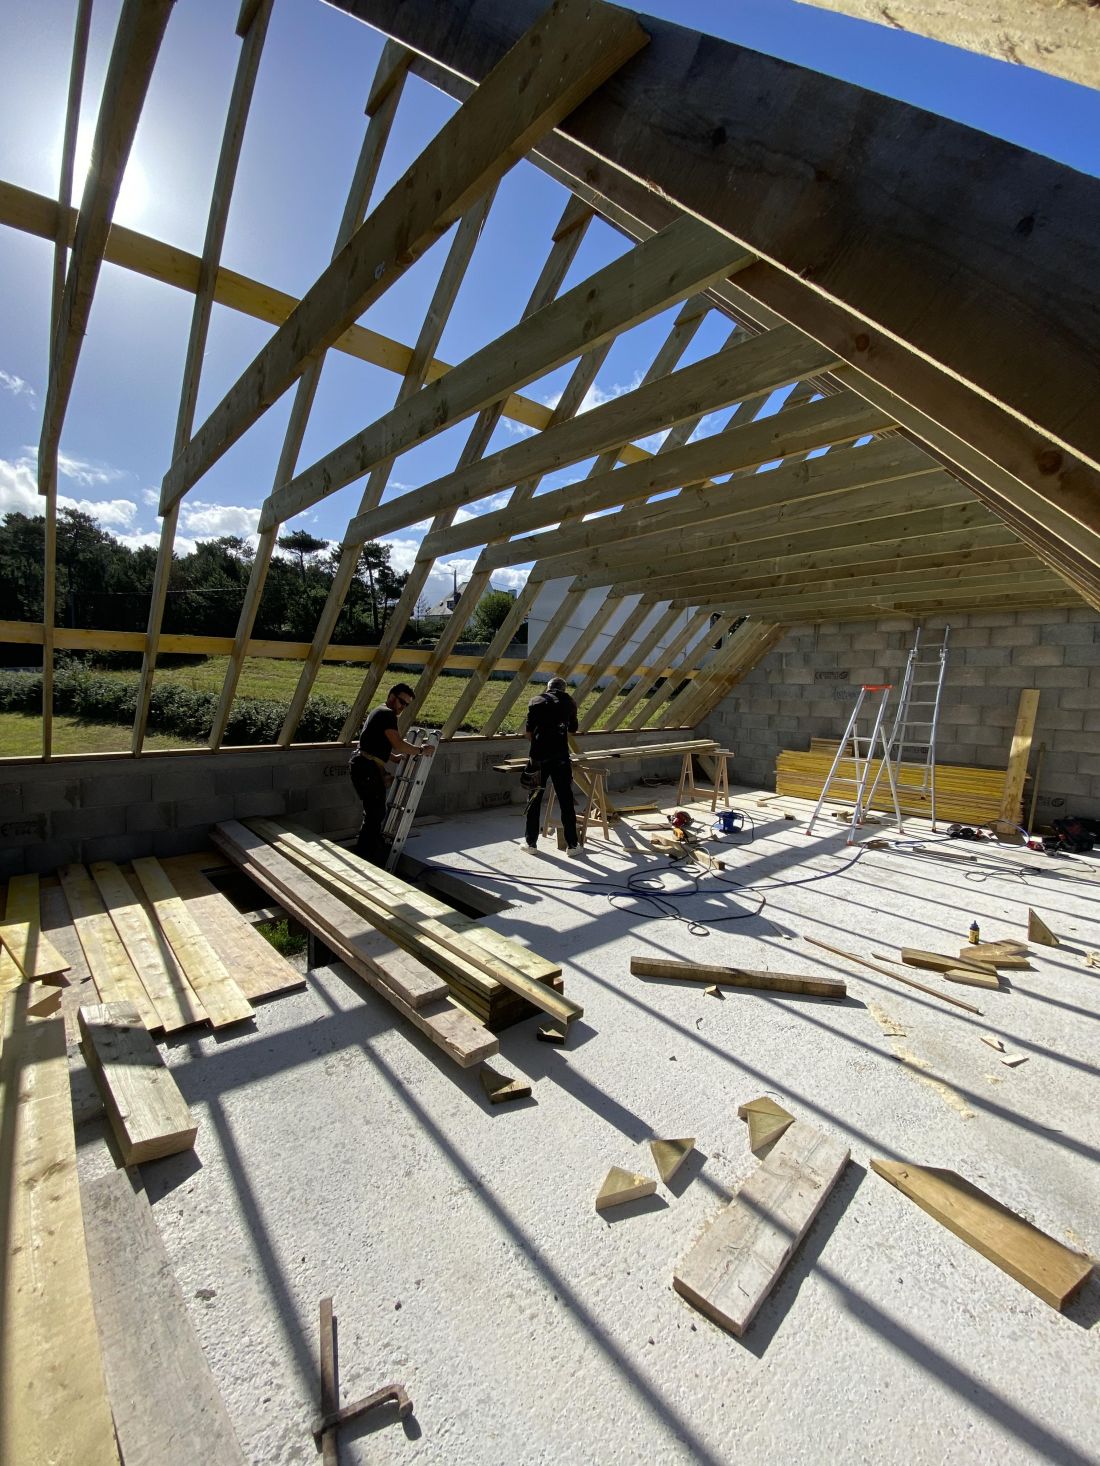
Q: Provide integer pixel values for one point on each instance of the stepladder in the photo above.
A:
(912, 740)
(867, 763)
(405, 791)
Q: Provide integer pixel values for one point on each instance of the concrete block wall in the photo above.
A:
(806, 687)
(115, 807)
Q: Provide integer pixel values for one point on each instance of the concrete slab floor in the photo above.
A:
(337, 1154)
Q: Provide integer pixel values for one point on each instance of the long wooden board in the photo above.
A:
(1012, 802)
(166, 1405)
(221, 997)
(1051, 1271)
(409, 932)
(115, 977)
(737, 977)
(177, 1004)
(256, 967)
(733, 1266)
(148, 1115)
(21, 932)
(451, 1029)
(53, 1397)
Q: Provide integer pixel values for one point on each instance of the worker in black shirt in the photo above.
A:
(378, 743)
(550, 720)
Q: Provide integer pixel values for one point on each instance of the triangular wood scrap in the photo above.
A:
(712, 992)
(620, 1186)
(767, 1122)
(1038, 931)
(670, 1155)
(550, 1035)
(500, 1088)
(972, 978)
(994, 956)
(1092, 959)
(1013, 1059)
(994, 1043)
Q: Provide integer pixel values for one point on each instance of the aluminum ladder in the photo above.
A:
(863, 762)
(925, 671)
(405, 791)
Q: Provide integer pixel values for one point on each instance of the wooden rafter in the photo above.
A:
(252, 28)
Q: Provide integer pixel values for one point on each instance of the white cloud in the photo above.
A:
(88, 475)
(19, 495)
(110, 513)
(183, 545)
(207, 521)
(150, 497)
(517, 429)
(17, 387)
(403, 553)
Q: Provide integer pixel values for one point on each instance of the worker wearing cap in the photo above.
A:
(379, 741)
(550, 720)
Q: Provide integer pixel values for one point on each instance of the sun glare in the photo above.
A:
(133, 196)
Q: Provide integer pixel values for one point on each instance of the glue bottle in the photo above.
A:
(974, 932)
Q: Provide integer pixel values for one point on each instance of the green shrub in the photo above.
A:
(286, 942)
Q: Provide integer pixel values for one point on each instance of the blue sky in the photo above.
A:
(303, 137)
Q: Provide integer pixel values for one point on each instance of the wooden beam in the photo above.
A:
(381, 116)
(53, 1397)
(435, 319)
(141, 26)
(838, 471)
(629, 290)
(983, 578)
(749, 368)
(162, 1360)
(744, 650)
(971, 274)
(736, 977)
(244, 81)
(742, 1252)
(1063, 40)
(560, 60)
(149, 1117)
(1019, 756)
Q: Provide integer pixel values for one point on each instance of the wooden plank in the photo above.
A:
(257, 968)
(536, 84)
(1012, 805)
(165, 1402)
(148, 1115)
(1051, 1271)
(114, 974)
(1063, 40)
(177, 1004)
(34, 955)
(908, 981)
(53, 1398)
(409, 931)
(737, 977)
(733, 1266)
(971, 978)
(220, 996)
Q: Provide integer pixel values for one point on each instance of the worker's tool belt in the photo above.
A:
(529, 777)
(380, 763)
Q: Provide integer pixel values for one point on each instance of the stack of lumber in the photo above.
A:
(164, 940)
(26, 952)
(968, 795)
(388, 931)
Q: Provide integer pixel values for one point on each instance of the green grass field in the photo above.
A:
(271, 679)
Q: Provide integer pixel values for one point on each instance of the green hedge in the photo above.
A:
(80, 692)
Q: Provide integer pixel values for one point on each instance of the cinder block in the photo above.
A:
(115, 847)
(895, 623)
(1042, 617)
(1013, 636)
(1009, 677)
(980, 618)
(259, 804)
(1080, 742)
(870, 641)
(11, 800)
(98, 791)
(1075, 697)
(968, 636)
(311, 819)
(1051, 679)
(983, 656)
(11, 861)
(206, 811)
(333, 795)
(85, 824)
(167, 843)
(963, 715)
(296, 800)
(243, 778)
(43, 795)
(1083, 656)
(834, 642)
(1059, 719)
(148, 818)
(1039, 656)
(192, 779)
(47, 855)
(289, 773)
(1072, 633)
(24, 830)
(987, 737)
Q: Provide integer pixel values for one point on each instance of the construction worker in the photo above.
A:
(550, 720)
(379, 741)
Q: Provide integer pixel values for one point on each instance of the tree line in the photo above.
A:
(105, 584)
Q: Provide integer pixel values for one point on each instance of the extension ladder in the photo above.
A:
(925, 671)
(405, 791)
(862, 762)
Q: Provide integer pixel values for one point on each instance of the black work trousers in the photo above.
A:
(559, 772)
(370, 785)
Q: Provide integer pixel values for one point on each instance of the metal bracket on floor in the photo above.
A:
(332, 1415)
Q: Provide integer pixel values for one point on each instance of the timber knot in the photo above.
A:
(1049, 461)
